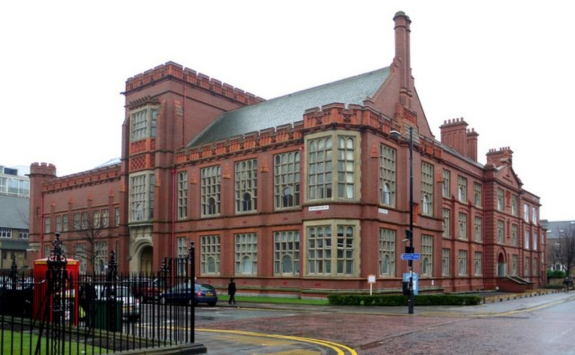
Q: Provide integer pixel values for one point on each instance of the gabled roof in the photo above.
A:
(556, 229)
(14, 212)
(290, 108)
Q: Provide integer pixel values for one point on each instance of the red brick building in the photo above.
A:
(303, 194)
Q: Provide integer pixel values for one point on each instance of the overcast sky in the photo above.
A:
(506, 67)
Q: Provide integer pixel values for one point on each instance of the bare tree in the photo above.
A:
(566, 248)
(88, 231)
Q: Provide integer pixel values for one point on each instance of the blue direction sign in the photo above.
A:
(410, 256)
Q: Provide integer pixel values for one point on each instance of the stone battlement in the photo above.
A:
(89, 177)
(171, 69)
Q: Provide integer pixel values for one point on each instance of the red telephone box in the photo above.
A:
(70, 292)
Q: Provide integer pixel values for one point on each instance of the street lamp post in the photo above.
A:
(411, 300)
(409, 232)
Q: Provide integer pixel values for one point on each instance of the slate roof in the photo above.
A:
(14, 212)
(557, 228)
(290, 108)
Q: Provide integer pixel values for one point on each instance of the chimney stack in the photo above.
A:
(454, 135)
(472, 144)
(403, 56)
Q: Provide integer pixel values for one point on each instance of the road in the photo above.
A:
(539, 325)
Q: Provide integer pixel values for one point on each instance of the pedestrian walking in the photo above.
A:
(232, 292)
(87, 297)
(566, 284)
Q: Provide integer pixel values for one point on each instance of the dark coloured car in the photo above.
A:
(182, 294)
(148, 290)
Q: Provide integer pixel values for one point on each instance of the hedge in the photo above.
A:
(401, 300)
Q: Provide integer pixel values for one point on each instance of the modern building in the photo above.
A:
(14, 207)
(303, 194)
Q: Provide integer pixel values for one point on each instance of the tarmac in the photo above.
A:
(228, 342)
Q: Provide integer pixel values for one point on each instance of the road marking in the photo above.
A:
(334, 346)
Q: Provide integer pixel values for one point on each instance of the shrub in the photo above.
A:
(555, 274)
(401, 300)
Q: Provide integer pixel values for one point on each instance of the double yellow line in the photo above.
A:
(334, 346)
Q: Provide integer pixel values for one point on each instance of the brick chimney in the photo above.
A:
(454, 135)
(472, 144)
(501, 156)
(403, 57)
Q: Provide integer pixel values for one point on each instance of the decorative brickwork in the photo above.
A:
(86, 178)
(171, 69)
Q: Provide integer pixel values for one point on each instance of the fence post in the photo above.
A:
(111, 302)
(191, 255)
(57, 276)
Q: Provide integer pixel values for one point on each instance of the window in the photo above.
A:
(117, 213)
(182, 195)
(143, 123)
(478, 265)
(23, 233)
(500, 231)
(500, 200)
(514, 234)
(286, 180)
(101, 256)
(97, 220)
(5, 233)
(331, 250)
(514, 261)
(84, 221)
(211, 190)
(105, 218)
(210, 255)
(526, 212)
(426, 255)
(462, 262)
(58, 224)
(77, 225)
(286, 253)
(142, 197)
(446, 223)
(534, 215)
(462, 226)
(322, 175)
(246, 186)
(386, 252)
(514, 205)
(477, 194)
(427, 189)
(535, 241)
(182, 244)
(446, 186)
(387, 167)
(526, 267)
(65, 223)
(345, 167)
(80, 255)
(445, 269)
(526, 239)
(47, 222)
(462, 189)
(478, 229)
(535, 268)
(246, 254)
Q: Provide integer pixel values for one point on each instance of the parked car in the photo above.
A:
(130, 304)
(148, 290)
(182, 294)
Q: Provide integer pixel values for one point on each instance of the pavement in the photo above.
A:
(236, 342)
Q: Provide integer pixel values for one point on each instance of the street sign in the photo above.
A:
(410, 256)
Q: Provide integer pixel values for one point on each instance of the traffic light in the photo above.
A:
(408, 234)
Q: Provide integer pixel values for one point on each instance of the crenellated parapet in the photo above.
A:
(174, 70)
(353, 115)
(271, 137)
(85, 178)
(42, 169)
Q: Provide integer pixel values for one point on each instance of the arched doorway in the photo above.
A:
(501, 265)
(146, 260)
